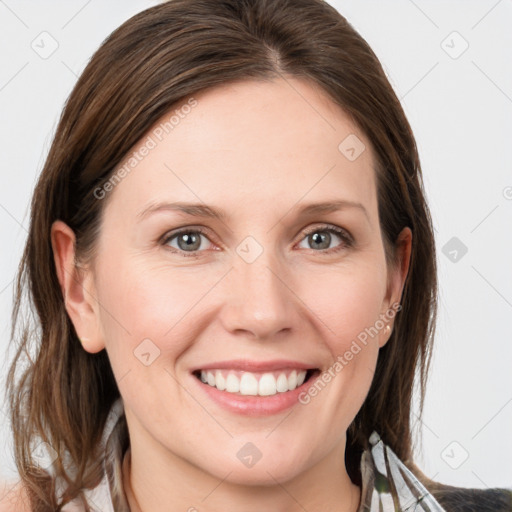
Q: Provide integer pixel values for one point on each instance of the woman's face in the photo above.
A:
(267, 282)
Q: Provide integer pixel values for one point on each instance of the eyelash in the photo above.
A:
(345, 237)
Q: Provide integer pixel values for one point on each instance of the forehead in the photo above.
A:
(255, 144)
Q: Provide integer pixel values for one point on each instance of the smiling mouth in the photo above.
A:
(246, 383)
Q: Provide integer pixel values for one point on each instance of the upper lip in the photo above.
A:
(255, 366)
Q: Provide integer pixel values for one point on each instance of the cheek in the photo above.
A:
(140, 301)
(347, 301)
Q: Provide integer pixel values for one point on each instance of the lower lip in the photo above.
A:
(255, 405)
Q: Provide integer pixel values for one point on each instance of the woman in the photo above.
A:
(197, 349)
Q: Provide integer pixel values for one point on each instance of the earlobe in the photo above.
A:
(77, 288)
(385, 337)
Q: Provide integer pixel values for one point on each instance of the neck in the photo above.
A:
(132, 501)
(323, 487)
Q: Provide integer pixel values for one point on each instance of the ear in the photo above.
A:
(77, 285)
(397, 276)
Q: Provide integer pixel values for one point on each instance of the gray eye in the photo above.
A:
(187, 241)
(321, 238)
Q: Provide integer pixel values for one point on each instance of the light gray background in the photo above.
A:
(461, 112)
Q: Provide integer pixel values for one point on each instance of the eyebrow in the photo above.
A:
(205, 211)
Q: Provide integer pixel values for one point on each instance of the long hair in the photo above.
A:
(61, 394)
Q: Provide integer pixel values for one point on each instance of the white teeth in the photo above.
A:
(249, 384)
(267, 385)
(292, 380)
(220, 381)
(232, 384)
(282, 383)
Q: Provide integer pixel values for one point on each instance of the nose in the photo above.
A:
(259, 299)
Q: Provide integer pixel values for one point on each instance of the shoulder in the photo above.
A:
(13, 497)
(464, 499)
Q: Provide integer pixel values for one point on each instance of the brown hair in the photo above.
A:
(153, 61)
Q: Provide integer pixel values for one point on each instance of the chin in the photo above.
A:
(249, 466)
(259, 475)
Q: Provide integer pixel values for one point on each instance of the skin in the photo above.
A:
(260, 151)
